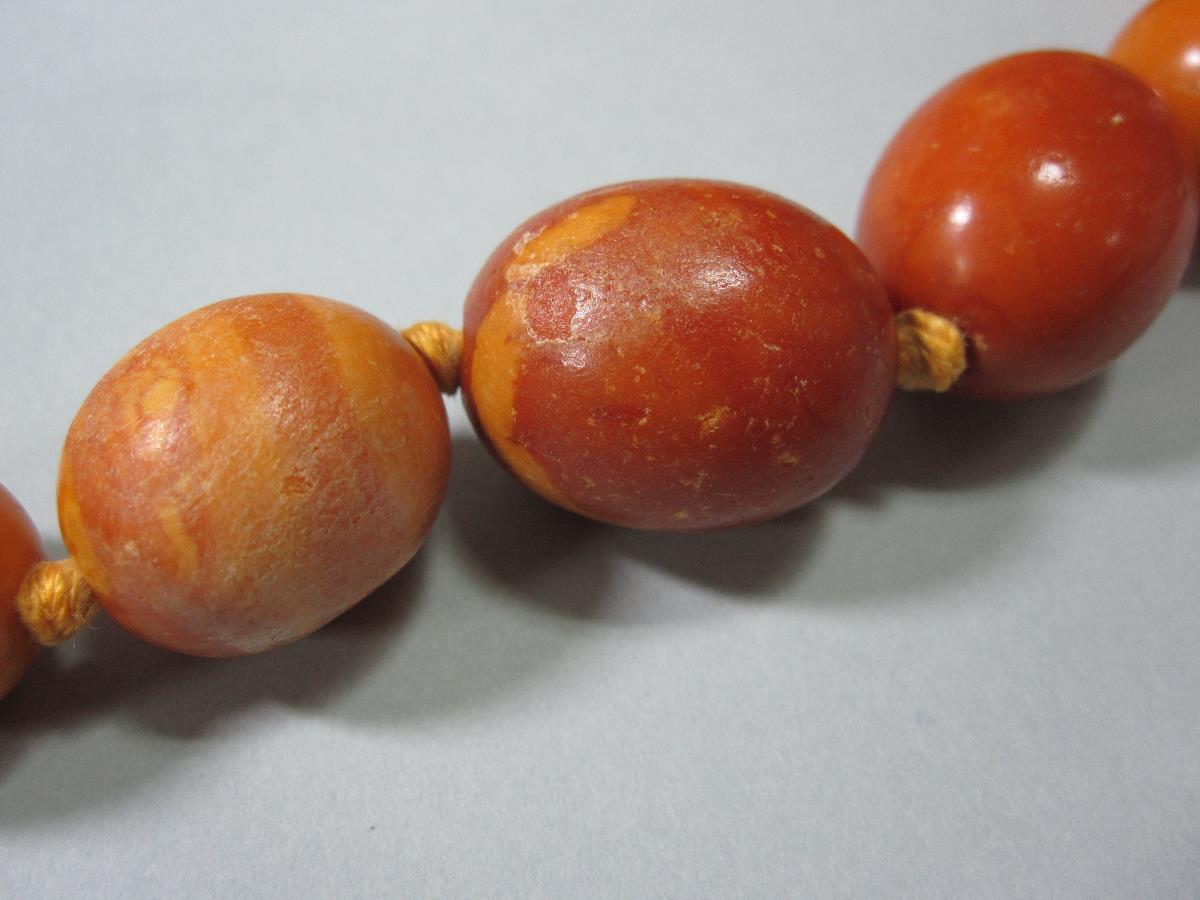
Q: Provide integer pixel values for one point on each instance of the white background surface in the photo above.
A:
(972, 670)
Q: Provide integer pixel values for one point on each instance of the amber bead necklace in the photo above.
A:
(671, 355)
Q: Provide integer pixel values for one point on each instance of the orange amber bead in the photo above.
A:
(677, 355)
(1046, 203)
(251, 471)
(20, 551)
(1161, 45)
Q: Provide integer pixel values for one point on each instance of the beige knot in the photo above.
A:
(55, 601)
(932, 351)
(441, 348)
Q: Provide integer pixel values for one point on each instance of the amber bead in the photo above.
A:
(252, 470)
(20, 551)
(677, 355)
(1161, 45)
(1046, 203)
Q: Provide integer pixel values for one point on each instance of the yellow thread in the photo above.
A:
(441, 348)
(932, 351)
(55, 601)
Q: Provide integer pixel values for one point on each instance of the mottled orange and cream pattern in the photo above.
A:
(20, 551)
(677, 355)
(252, 470)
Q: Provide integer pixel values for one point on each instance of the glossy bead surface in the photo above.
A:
(1161, 45)
(252, 470)
(677, 355)
(1044, 202)
(20, 551)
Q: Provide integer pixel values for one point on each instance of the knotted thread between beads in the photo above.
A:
(441, 348)
(55, 601)
(932, 351)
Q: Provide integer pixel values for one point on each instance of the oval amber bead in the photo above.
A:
(251, 471)
(678, 355)
(1046, 203)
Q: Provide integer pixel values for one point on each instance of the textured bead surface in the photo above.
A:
(678, 355)
(252, 470)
